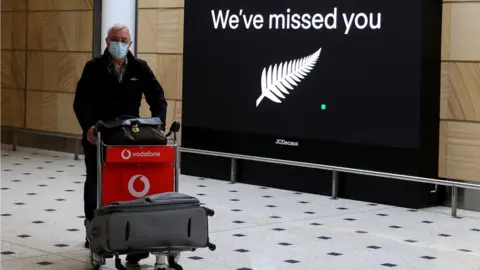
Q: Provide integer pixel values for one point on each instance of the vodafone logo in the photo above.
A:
(146, 186)
(127, 154)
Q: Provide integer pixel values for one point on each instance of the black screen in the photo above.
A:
(363, 88)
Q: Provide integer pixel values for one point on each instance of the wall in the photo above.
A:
(51, 42)
(13, 64)
(160, 43)
(460, 102)
(45, 45)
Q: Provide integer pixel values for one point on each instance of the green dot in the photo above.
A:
(324, 107)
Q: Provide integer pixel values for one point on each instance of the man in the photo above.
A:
(111, 86)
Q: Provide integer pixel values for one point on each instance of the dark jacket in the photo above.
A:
(100, 96)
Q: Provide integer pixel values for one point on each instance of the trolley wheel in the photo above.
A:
(175, 255)
(94, 264)
(118, 263)
(172, 262)
(96, 261)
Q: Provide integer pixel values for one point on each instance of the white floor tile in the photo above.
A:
(254, 227)
(12, 251)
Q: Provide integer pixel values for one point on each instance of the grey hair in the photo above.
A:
(118, 27)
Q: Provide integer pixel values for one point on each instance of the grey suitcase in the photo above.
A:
(159, 223)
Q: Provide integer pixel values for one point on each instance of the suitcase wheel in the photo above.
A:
(210, 212)
(211, 246)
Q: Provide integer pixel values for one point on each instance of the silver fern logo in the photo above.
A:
(277, 80)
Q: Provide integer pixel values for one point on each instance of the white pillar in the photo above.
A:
(122, 12)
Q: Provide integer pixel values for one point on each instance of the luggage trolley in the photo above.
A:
(127, 173)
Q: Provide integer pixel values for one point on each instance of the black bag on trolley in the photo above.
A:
(167, 222)
(128, 130)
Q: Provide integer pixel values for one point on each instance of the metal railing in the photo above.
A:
(45, 133)
(455, 185)
(335, 170)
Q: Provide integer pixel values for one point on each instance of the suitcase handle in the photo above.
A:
(127, 231)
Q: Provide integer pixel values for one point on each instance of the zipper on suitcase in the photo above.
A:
(141, 208)
(118, 208)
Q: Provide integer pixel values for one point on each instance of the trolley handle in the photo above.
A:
(98, 127)
(174, 129)
(123, 120)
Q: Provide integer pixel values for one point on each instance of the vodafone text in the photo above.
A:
(146, 154)
(127, 154)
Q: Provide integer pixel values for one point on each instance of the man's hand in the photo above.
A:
(91, 135)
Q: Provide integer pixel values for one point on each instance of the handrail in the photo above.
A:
(44, 133)
(335, 169)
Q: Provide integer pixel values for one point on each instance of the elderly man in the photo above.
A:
(111, 86)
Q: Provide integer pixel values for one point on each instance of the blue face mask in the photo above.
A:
(118, 49)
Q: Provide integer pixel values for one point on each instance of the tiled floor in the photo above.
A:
(254, 227)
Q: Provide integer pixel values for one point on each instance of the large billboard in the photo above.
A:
(293, 78)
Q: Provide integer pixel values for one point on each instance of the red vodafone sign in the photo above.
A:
(130, 181)
(140, 154)
(132, 172)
